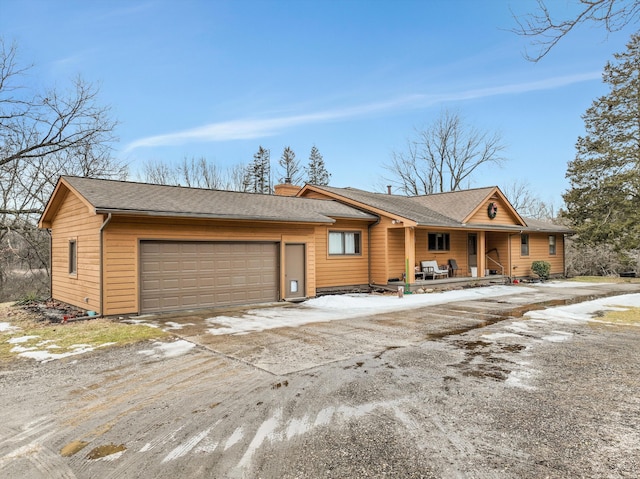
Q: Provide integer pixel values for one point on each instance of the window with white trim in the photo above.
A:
(552, 245)
(344, 243)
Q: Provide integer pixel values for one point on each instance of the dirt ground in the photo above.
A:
(471, 389)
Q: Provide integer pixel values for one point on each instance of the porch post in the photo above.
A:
(410, 254)
(482, 251)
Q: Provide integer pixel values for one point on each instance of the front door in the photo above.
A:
(472, 248)
(294, 271)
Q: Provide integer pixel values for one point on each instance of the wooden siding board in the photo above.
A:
(336, 271)
(396, 263)
(457, 249)
(504, 216)
(73, 221)
(538, 251)
(123, 235)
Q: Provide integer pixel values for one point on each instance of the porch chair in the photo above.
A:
(453, 266)
(431, 268)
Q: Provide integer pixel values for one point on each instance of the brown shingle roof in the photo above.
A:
(395, 205)
(546, 227)
(455, 204)
(142, 198)
(440, 209)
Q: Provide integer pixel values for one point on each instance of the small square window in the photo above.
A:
(73, 257)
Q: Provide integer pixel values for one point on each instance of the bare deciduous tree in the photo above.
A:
(290, 167)
(43, 136)
(194, 173)
(546, 31)
(443, 157)
(527, 203)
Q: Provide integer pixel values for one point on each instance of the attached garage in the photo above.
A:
(121, 248)
(178, 275)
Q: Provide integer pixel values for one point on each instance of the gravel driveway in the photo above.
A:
(469, 389)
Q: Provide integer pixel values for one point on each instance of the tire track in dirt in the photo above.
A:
(211, 381)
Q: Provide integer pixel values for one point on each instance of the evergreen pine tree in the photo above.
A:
(317, 174)
(603, 202)
(257, 175)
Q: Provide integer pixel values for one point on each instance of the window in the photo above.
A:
(73, 257)
(344, 242)
(438, 241)
(552, 244)
(524, 245)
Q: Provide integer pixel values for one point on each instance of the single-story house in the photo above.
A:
(122, 247)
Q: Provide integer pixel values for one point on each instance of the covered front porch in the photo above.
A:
(430, 257)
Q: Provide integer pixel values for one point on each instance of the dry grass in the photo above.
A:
(603, 279)
(66, 337)
(627, 316)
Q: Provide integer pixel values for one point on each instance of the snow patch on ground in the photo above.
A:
(168, 350)
(170, 325)
(586, 311)
(337, 307)
(46, 356)
(21, 339)
(7, 327)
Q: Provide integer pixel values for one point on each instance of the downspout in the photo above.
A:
(510, 255)
(377, 222)
(104, 225)
(50, 263)
(564, 256)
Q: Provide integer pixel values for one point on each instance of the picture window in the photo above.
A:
(344, 243)
(438, 242)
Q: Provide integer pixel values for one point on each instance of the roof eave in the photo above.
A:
(173, 214)
(357, 204)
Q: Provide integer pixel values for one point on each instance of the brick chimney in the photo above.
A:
(286, 189)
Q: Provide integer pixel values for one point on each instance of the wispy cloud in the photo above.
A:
(252, 128)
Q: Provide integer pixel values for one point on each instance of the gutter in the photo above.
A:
(104, 225)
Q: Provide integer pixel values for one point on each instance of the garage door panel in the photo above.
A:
(184, 275)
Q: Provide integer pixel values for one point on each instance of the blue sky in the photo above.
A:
(355, 78)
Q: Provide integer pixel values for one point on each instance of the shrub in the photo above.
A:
(541, 268)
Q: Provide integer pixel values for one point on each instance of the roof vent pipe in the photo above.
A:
(388, 189)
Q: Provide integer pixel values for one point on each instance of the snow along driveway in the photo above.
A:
(516, 385)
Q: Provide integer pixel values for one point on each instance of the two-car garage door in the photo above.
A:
(178, 275)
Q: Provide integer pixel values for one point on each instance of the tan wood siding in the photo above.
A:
(122, 235)
(337, 270)
(498, 250)
(538, 251)
(316, 195)
(73, 221)
(379, 252)
(503, 217)
(457, 249)
(396, 263)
